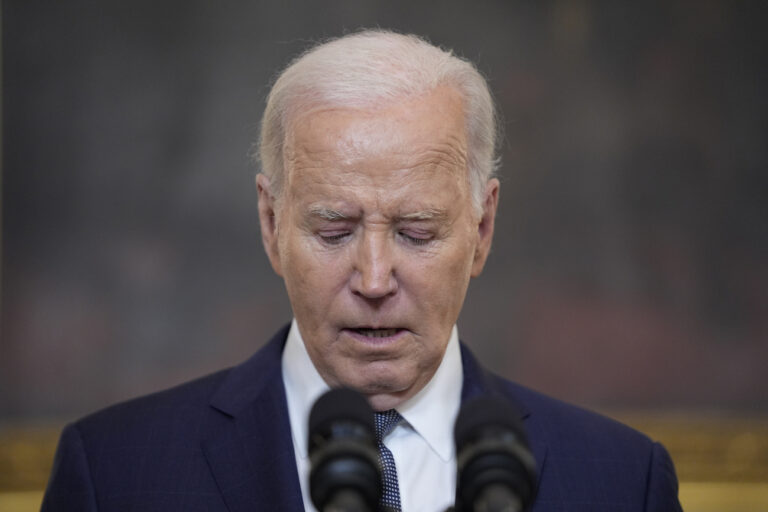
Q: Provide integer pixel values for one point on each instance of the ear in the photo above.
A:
(268, 222)
(485, 226)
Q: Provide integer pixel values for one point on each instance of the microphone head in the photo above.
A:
(339, 407)
(342, 450)
(492, 451)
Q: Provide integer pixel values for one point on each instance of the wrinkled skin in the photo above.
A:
(376, 239)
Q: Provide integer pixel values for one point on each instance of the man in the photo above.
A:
(377, 204)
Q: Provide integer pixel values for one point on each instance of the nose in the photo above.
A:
(374, 273)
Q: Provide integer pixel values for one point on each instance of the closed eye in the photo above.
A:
(415, 240)
(334, 238)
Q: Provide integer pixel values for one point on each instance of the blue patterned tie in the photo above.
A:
(385, 423)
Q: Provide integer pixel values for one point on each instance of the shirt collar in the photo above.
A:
(431, 412)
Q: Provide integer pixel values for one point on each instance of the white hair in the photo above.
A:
(369, 69)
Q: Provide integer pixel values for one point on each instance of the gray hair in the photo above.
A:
(365, 70)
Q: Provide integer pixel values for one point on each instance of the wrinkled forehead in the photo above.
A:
(427, 127)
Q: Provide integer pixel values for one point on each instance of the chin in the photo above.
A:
(385, 393)
(385, 402)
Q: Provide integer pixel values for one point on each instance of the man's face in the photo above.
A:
(376, 239)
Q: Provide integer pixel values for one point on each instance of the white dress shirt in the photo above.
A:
(423, 447)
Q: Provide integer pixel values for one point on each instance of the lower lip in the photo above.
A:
(370, 340)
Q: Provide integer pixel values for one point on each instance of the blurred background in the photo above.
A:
(630, 266)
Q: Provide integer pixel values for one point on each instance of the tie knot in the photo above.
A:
(385, 422)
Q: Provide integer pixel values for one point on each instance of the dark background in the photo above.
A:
(630, 263)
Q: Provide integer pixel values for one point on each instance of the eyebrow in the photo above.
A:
(327, 213)
(428, 214)
(330, 214)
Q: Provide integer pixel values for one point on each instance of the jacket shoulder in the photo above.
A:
(180, 405)
(607, 465)
(566, 424)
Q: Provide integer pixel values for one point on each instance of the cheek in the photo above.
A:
(298, 274)
(441, 282)
(312, 277)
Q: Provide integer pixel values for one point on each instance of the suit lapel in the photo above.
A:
(250, 450)
(478, 382)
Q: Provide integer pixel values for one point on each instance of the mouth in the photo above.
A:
(376, 335)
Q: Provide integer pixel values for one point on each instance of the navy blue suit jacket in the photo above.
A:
(223, 443)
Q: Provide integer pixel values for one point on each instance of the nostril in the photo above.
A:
(373, 286)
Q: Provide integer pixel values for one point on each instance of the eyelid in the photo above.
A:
(409, 235)
(330, 226)
(417, 233)
(334, 237)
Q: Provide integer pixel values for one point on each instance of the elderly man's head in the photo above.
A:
(376, 204)
(369, 70)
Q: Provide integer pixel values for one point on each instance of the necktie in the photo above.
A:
(386, 422)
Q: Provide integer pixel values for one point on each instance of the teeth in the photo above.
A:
(377, 333)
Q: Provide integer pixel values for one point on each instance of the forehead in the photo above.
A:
(414, 137)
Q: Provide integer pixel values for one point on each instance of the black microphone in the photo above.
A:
(344, 474)
(496, 471)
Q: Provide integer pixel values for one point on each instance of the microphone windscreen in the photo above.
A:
(344, 467)
(495, 469)
(340, 405)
